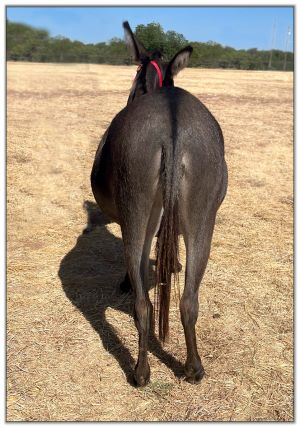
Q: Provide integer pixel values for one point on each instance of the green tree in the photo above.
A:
(24, 42)
(118, 53)
(173, 43)
(152, 36)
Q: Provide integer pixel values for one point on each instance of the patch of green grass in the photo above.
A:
(159, 388)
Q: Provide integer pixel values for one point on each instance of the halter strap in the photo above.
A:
(160, 78)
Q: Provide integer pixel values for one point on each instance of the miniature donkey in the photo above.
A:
(160, 169)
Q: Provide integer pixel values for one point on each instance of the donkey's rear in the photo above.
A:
(160, 170)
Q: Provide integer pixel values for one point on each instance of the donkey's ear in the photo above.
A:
(136, 48)
(180, 61)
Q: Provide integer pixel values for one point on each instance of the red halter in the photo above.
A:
(160, 78)
(154, 63)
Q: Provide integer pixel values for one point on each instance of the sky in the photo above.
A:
(238, 27)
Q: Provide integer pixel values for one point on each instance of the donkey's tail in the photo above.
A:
(167, 247)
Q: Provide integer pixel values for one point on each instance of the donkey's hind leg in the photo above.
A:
(197, 241)
(137, 237)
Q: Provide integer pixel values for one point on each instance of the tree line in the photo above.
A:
(25, 43)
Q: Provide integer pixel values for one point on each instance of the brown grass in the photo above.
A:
(71, 337)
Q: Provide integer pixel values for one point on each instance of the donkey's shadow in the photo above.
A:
(90, 275)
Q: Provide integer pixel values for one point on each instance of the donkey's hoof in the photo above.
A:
(141, 377)
(141, 380)
(195, 377)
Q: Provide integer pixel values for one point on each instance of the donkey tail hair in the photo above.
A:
(167, 246)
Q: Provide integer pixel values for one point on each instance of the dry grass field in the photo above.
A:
(71, 341)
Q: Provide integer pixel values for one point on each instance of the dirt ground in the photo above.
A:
(71, 341)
